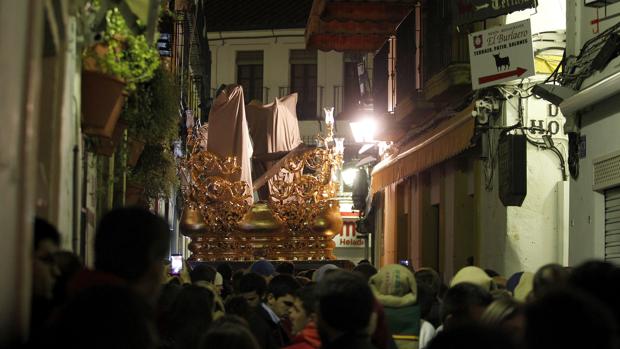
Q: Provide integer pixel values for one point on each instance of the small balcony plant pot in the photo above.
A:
(134, 150)
(107, 145)
(134, 193)
(102, 103)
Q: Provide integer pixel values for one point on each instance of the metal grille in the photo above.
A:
(606, 171)
(612, 225)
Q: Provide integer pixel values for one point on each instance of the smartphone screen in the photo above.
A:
(176, 264)
(405, 262)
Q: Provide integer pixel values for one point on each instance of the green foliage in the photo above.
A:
(128, 56)
(156, 171)
(151, 112)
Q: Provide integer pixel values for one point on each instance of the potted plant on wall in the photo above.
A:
(151, 114)
(155, 172)
(111, 68)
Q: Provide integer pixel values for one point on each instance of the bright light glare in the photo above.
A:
(348, 176)
(364, 130)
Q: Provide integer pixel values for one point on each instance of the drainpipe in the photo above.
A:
(83, 210)
(74, 228)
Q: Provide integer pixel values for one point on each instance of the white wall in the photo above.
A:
(525, 238)
(587, 211)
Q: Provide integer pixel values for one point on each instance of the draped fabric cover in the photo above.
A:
(228, 133)
(273, 128)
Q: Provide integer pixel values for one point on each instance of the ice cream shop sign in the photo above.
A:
(348, 237)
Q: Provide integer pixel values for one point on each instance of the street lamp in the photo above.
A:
(364, 129)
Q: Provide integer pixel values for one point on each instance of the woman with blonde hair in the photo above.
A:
(508, 315)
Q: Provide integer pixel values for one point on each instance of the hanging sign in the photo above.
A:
(467, 11)
(501, 54)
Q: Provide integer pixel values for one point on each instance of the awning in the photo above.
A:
(354, 25)
(438, 144)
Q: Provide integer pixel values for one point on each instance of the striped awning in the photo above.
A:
(448, 139)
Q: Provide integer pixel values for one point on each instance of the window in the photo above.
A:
(351, 85)
(304, 82)
(250, 74)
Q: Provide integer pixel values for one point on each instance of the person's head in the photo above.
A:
(281, 294)
(569, 319)
(237, 305)
(304, 307)
(474, 275)
(132, 243)
(263, 268)
(429, 277)
(320, 273)
(190, 315)
(44, 267)
(506, 314)
(464, 303)
(252, 287)
(202, 273)
(366, 270)
(600, 280)
(226, 333)
(549, 277)
(345, 304)
(103, 317)
(226, 270)
(363, 261)
(286, 268)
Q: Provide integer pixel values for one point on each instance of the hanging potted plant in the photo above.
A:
(155, 172)
(111, 68)
(151, 113)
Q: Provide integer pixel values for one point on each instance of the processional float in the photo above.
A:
(298, 213)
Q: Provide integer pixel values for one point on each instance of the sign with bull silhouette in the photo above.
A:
(501, 54)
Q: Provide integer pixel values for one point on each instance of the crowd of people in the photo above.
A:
(130, 299)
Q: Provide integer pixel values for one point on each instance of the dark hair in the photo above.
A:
(471, 336)
(190, 316)
(129, 240)
(43, 230)
(104, 316)
(363, 261)
(228, 334)
(225, 270)
(568, 319)
(366, 270)
(237, 305)
(308, 298)
(461, 297)
(429, 277)
(286, 268)
(345, 301)
(202, 272)
(252, 282)
(283, 284)
(235, 279)
(549, 277)
(601, 280)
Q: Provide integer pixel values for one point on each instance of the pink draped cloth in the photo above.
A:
(228, 133)
(273, 128)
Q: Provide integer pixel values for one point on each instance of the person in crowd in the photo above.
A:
(102, 317)
(189, 317)
(167, 296)
(394, 286)
(344, 311)
(472, 336)
(229, 332)
(520, 284)
(429, 277)
(218, 283)
(303, 319)
(205, 276)
(279, 300)
(366, 270)
(252, 287)
(547, 278)
(237, 305)
(508, 315)
(568, 319)
(69, 265)
(601, 280)
(473, 275)
(426, 299)
(226, 271)
(235, 279)
(130, 247)
(45, 272)
(464, 303)
(285, 267)
(263, 268)
(306, 273)
(320, 273)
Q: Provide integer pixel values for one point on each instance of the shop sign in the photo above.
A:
(467, 11)
(542, 117)
(348, 237)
